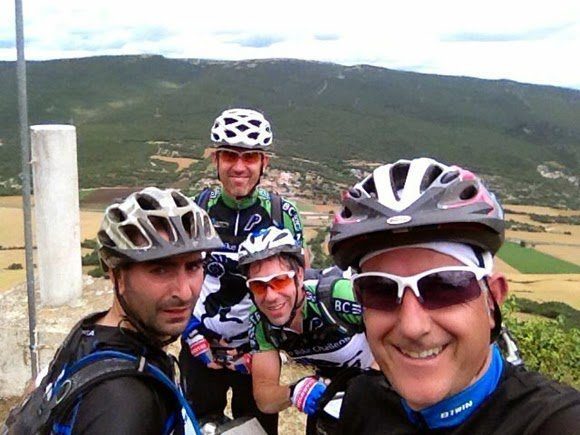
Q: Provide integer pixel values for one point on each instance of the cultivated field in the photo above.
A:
(561, 241)
(12, 236)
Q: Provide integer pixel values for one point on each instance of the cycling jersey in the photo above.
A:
(522, 403)
(322, 343)
(224, 304)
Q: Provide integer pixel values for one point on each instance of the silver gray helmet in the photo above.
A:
(138, 228)
(243, 128)
(414, 201)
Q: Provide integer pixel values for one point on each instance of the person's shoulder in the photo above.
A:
(127, 404)
(540, 404)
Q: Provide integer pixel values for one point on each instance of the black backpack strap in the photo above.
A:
(276, 211)
(203, 198)
(324, 290)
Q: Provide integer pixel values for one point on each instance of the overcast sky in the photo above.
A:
(527, 41)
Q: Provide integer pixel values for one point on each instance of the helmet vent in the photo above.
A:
(229, 121)
(243, 127)
(117, 215)
(449, 177)
(207, 226)
(180, 200)
(468, 193)
(134, 235)
(215, 137)
(230, 133)
(399, 177)
(370, 187)
(188, 223)
(354, 193)
(429, 177)
(163, 228)
(257, 123)
(253, 135)
(267, 140)
(148, 203)
(105, 240)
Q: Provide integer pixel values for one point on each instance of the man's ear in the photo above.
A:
(265, 161)
(498, 286)
(116, 276)
(300, 276)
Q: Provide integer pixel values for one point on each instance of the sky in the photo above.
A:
(527, 41)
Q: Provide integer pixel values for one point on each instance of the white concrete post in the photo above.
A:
(56, 212)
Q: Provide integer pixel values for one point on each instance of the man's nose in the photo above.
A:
(183, 284)
(414, 319)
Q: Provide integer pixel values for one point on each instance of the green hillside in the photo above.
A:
(323, 112)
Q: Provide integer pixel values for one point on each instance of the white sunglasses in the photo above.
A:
(434, 288)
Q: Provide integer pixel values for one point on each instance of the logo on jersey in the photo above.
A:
(254, 220)
(294, 216)
(215, 269)
(347, 307)
(457, 410)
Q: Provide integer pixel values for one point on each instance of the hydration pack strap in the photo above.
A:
(100, 366)
(276, 212)
(203, 198)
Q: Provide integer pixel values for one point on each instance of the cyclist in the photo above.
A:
(215, 353)
(152, 246)
(314, 326)
(423, 235)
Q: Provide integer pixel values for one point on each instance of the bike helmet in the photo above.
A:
(267, 243)
(130, 231)
(414, 201)
(244, 128)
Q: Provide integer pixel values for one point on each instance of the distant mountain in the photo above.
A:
(524, 138)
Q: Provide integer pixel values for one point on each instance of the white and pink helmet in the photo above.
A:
(415, 201)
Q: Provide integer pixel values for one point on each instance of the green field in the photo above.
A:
(528, 260)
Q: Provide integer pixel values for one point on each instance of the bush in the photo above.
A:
(91, 259)
(14, 266)
(547, 346)
(89, 244)
(97, 272)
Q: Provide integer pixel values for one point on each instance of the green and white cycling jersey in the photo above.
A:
(331, 338)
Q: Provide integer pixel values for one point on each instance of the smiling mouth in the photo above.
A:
(275, 307)
(423, 354)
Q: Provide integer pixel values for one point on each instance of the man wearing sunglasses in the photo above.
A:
(324, 331)
(215, 351)
(423, 235)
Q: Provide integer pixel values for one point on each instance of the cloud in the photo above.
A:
(327, 37)
(8, 44)
(527, 35)
(258, 41)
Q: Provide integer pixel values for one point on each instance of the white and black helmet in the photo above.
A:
(130, 231)
(244, 128)
(415, 201)
(267, 243)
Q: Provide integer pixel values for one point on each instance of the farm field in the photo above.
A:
(12, 235)
(524, 283)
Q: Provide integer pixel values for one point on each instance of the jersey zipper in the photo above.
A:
(237, 222)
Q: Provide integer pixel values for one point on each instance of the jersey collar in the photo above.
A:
(456, 409)
(239, 204)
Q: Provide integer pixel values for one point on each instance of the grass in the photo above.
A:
(528, 260)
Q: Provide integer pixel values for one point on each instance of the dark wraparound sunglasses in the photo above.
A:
(435, 288)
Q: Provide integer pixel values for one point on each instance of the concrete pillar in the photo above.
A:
(56, 212)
